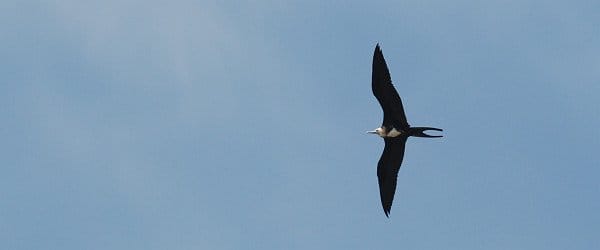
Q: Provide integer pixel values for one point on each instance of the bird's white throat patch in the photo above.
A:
(394, 133)
(382, 131)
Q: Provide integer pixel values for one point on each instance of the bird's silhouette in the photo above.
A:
(394, 130)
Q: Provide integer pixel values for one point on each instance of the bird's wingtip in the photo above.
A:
(387, 212)
(378, 50)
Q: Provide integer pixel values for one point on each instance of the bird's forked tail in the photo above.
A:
(419, 132)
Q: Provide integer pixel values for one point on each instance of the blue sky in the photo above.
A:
(240, 125)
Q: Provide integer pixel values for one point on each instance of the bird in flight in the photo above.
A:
(394, 130)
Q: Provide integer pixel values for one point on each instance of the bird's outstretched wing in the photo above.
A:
(387, 170)
(384, 91)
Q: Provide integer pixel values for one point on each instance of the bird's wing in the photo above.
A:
(386, 94)
(387, 170)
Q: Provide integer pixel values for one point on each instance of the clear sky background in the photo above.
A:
(241, 124)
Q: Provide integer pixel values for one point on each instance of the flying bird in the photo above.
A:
(394, 130)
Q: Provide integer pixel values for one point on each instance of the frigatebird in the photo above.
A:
(394, 130)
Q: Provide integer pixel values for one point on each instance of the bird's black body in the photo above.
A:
(395, 130)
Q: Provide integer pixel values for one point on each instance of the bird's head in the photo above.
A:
(377, 131)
